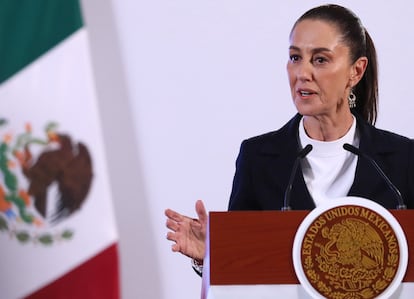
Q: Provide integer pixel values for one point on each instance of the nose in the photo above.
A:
(304, 71)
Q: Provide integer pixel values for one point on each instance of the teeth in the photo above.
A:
(305, 93)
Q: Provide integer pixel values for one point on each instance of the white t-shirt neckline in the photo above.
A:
(329, 170)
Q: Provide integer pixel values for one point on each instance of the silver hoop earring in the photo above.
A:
(352, 100)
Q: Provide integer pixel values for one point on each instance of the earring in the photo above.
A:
(352, 100)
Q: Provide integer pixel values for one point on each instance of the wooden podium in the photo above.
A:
(255, 247)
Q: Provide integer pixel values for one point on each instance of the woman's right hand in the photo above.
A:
(188, 234)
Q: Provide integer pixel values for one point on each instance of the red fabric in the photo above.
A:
(96, 278)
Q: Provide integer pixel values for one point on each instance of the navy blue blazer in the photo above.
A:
(265, 162)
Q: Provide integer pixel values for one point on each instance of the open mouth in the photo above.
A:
(305, 93)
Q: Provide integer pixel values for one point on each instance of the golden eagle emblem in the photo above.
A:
(350, 253)
(356, 244)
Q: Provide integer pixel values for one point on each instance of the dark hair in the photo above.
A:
(356, 37)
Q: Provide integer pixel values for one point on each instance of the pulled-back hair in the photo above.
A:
(356, 37)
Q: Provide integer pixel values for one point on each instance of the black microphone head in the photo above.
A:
(351, 148)
(305, 151)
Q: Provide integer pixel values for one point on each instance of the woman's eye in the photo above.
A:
(320, 60)
(294, 57)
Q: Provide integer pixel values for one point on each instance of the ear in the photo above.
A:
(357, 70)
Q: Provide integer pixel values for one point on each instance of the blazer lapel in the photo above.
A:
(284, 148)
(368, 182)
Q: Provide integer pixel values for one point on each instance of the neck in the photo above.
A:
(327, 129)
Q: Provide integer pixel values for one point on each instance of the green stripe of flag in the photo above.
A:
(29, 28)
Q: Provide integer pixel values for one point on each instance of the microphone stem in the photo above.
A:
(302, 154)
(356, 151)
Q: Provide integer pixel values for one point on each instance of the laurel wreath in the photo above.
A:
(25, 237)
(378, 287)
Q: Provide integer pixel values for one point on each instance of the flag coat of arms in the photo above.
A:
(58, 236)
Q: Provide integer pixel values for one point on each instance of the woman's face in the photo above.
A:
(320, 71)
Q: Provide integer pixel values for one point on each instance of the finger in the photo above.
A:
(171, 236)
(201, 211)
(171, 224)
(174, 215)
(175, 248)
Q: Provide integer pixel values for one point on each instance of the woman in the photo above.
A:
(332, 71)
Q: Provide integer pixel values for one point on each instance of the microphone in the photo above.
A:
(356, 151)
(302, 154)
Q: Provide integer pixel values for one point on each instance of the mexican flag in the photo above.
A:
(58, 236)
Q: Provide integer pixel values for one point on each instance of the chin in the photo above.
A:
(307, 110)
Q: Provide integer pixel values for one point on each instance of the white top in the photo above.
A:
(329, 169)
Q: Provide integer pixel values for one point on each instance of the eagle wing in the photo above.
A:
(74, 182)
(372, 245)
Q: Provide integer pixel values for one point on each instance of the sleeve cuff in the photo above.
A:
(197, 266)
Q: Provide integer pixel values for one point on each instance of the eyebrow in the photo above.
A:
(315, 50)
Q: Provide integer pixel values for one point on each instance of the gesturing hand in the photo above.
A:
(188, 234)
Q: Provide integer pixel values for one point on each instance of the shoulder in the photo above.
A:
(392, 137)
(380, 139)
(385, 138)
